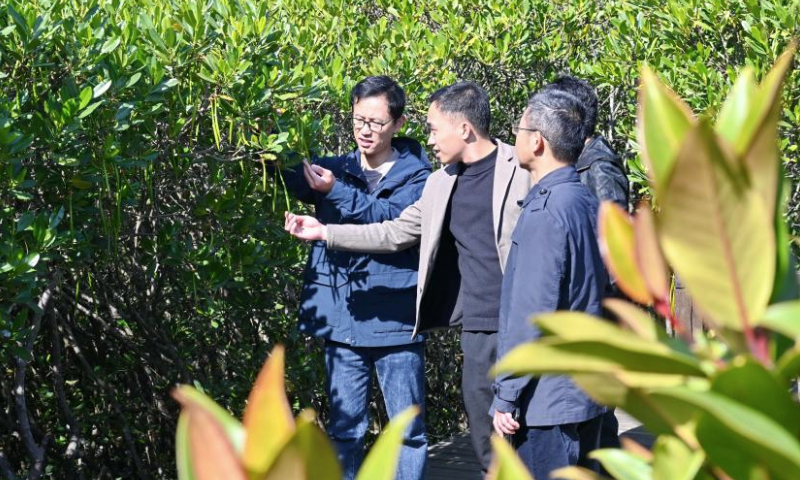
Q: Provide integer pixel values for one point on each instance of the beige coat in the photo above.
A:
(422, 223)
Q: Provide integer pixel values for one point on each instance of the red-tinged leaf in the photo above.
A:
(211, 454)
(268, 417)
(648, 254)
(717, 236)
(617, 245)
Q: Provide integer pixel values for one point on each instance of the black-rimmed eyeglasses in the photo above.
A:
(374, 125)
(515, 129)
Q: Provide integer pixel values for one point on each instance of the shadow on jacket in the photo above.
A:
(360, 299)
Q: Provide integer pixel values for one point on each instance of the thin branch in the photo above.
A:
(35, 451)
(58, 377)
(109, 391)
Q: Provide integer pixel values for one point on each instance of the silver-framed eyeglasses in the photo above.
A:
(374, 125)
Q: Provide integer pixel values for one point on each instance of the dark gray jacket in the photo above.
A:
(554, 264)
(603, 172)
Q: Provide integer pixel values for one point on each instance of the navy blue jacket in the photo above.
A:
(554, 264)
(364, 300)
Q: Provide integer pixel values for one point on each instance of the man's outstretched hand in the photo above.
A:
(318, 178)
(305, 227)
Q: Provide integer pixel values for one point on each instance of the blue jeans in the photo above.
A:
(348, 384)
(544, 449)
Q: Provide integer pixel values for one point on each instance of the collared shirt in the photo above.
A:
(554, 264)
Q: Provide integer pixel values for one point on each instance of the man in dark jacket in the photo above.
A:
(554, 264)
(602, 171)
(463, 224)
(599, 168)
(363, 305)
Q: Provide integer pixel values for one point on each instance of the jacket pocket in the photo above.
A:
(385, 302)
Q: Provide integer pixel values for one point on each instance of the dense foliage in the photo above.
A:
(141, 237)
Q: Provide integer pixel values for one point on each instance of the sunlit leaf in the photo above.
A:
(308, 455)
(663, 122)
(716, 236)
(268, 416)
(190, 397)
(506, 465)
(674, 460)
(381, 462)
(754, 386)
(636, 319)
(622, 465)
(212, 456)
(618, 247)
(648, 255)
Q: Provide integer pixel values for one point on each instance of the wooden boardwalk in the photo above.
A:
(455, 460)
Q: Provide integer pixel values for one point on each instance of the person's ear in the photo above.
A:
(464, 130)
(537, 143)
(398, 124)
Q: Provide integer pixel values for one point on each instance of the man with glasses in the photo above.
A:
(463, 224)
(362, 305)
(554, 264)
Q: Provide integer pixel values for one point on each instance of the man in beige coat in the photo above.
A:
(462, 224)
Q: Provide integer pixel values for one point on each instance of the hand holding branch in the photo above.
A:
(318, 178)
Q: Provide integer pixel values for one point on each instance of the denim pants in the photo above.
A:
(400, 371)
(544, 449)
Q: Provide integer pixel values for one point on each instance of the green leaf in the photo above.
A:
(788, 367)
(729, 430)
(754, 386)
(32, 259)
(85, 97)
(506, 465)
(101, 88)
(91, 108)
(133, 80)
(576, 326)
(663, 122)
(110, 45)
(717, 236)
(736, 110)
(674, 460)
(636, 319)
(381, 463)
(560, 356)
(183, 454)
(308, 455)
(632, 392)
(783, 317)
(622, 465)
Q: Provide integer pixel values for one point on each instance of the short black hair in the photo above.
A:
(468, 99)
(558, 116)
(583, 91)
(377, 86)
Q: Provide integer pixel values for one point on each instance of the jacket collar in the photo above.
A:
(566, 174)
(411, 159)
